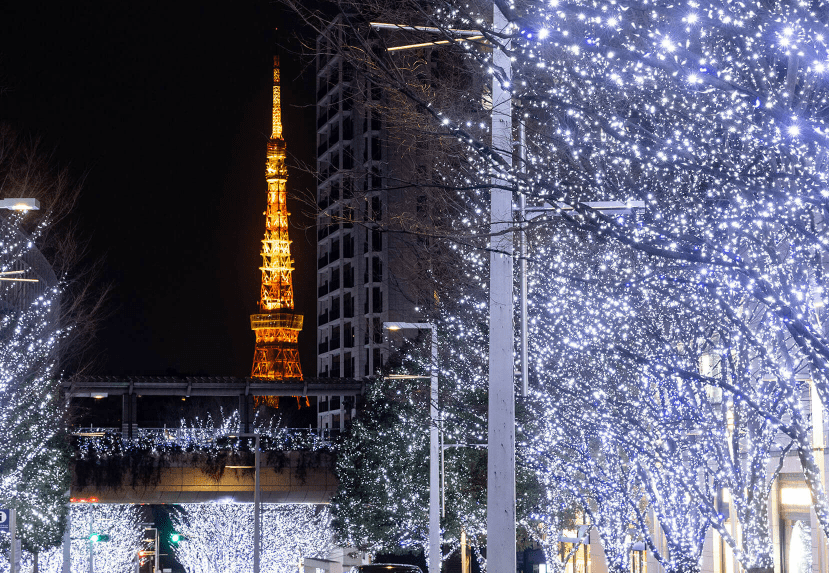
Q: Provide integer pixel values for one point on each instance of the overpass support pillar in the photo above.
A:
(129, 415)
(244, 412)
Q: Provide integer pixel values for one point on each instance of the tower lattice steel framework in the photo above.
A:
(277, 326)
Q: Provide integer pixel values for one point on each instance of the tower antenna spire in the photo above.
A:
(277, 326)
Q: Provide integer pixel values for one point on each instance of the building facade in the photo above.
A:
(363, 272)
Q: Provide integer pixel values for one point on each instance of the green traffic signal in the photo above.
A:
(95, 537)
(175, 537)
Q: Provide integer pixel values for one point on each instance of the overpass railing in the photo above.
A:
(96, 442)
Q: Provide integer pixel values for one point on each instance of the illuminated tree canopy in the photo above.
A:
(219, 537)
(696, 322)
(118, 555)
(42, 311)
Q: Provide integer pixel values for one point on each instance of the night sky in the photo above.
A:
(164, 109)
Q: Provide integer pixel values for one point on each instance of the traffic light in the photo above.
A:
(96, 537)
(175, 537)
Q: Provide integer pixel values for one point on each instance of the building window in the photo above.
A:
(639, 562)
(348, 370)
(376, 270)
(348, 245)
(348, 270)
(335, 280)
(348, 158)
(377, 329)
(378, 361)
(376, 300)
(348, 335)
(376, 209)
(579, 562)
(348, 306)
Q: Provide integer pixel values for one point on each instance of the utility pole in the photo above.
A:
(500, 501)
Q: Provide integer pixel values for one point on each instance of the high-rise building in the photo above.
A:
(363, 271)
(277, 326)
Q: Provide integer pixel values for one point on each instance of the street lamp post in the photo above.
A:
(500, 524)
(434, 444)
(257, 542)
(91, 547)
(257, 515)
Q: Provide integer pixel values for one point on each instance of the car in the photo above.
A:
(386, 568)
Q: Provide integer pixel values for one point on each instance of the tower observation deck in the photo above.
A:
(277, 326)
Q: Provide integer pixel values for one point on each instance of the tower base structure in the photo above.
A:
(276, 356)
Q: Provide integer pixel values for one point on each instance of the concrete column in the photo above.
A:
(244, 413)
(501, 426)
(129, 414)
(774, 525)
(820, 552)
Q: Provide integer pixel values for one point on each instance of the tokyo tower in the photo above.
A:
(277, 327)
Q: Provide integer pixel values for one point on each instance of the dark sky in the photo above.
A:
(164, 108)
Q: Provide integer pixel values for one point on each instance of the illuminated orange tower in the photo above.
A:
(277, 326)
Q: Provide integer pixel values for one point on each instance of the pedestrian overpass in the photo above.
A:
(198, 465)
(297, 477)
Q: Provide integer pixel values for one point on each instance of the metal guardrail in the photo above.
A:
(98, 386)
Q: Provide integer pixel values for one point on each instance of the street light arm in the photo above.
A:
(21, 204)
(408, 326)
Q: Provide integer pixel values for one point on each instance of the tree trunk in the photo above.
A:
(34, 563)
(760, 570)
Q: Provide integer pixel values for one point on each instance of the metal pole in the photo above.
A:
(434, 443)
(67, 538)
(442, 472)
(13, 557)
(91, 548)
(256, 508)
(434, 453)
(522, 261)
(157, 551)
(501, 428)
